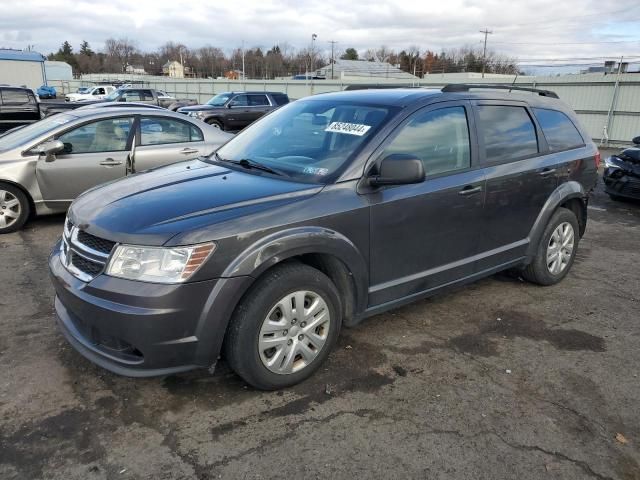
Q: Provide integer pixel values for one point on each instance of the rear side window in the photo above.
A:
(280, 98)
(558, 129)
(162, 131)
(508, 133)
(440, 138)
(258, 100)
(14, 97)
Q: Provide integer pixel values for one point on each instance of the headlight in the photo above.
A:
(609, 163)
(198, 114)
(158, 264)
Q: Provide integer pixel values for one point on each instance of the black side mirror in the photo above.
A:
(636, 140)
(398, 169)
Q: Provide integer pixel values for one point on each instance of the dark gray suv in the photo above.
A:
(325, 212)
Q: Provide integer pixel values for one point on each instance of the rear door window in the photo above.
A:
(161, 131)
(558, 129)
(508, 133)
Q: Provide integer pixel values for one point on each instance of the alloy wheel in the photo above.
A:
(10, 209)
(560, 248)
(294, 332)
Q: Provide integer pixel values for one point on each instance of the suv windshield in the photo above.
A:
(24, 135)
(219, 100)
(308, 140)
(113, 95)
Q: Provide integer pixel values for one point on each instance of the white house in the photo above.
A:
(173, 69)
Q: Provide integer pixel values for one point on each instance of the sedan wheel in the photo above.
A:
(560, 248)
(10, 209)
(294, 332)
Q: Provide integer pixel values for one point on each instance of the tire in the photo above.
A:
(259, 315)
(616, 198)
(14, 208)
(549, 272)
(216, 124)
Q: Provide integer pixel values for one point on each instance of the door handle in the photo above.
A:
(187, 151)
(470, 190)
(110, 162)
(546, 172)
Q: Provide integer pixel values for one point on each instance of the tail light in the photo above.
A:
(598, 159)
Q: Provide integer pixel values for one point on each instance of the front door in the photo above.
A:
(426, 235)
(95, 153)
(163, 140)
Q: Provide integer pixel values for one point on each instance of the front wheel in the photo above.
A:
(14, 208)
(556, 250)
(284, 328)
(216, 124)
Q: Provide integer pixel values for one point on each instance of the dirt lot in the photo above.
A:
(501, 379)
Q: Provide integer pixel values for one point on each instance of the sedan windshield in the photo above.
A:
(308, 140)
(219, 100)
(25, 134)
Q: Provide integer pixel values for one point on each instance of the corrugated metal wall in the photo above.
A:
(591, 96)
(19, 72)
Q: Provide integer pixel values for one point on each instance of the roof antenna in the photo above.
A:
(514, 81)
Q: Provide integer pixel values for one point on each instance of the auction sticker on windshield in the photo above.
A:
(348, 128)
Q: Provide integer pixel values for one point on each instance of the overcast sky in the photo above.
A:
(530, 30)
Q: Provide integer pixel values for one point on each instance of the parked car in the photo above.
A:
(138, 95)
(118, 105)
(331, 209)
(622, 173)
(94, 93)
(19, 106)
(235, 110)
(181, 103)
(44, 166)
(45, 91)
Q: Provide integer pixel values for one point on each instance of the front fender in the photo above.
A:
(282, 245)
(560, 195)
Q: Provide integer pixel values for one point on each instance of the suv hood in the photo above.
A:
(151, 207)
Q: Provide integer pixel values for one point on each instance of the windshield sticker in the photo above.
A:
(316, 171)
(348, 128)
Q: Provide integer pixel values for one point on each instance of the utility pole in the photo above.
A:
(486, 32)
(243, 75)
(332, 42)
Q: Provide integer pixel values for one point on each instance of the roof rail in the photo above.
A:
(465, 87)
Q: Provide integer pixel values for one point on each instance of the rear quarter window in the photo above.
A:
(558, 129)
(508, 133)
(280, 99)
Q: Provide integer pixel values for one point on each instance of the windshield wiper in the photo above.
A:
(249, 164)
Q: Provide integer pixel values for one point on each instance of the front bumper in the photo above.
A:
(621, 183)
(142, 329)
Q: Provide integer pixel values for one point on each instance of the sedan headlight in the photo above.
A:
(608, 162)
(158, 264)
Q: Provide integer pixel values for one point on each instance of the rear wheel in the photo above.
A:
(14, 208)
(284, 328)
(556, 250)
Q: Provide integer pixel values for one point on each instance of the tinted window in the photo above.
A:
(439, 138)
(280, 98)
(132, 96)
(240, 101)
(14, 97)
(258, 100)
(159, 131)
(147, 95)
(508, 133)
(102, 136)
(560, 132)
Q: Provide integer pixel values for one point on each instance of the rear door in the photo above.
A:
(520, 178)
(17, 107)
(164, 140)
(259, 105)
(426, 235)
(95, 152)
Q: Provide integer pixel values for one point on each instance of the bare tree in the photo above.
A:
(121, 50)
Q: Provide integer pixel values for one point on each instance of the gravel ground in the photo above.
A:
(497, 380)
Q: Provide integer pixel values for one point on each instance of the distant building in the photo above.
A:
(362, 69)
(173, 69)
(135, 69)
(233, 75)
(58, 70)
(22, 68)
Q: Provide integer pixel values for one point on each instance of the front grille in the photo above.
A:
(631, 187)
(95, 243)
(86, 266)
(83, 254)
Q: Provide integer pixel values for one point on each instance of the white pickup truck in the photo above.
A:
(94, 93)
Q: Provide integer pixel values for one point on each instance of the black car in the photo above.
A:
(329, 210)
(19, 107)
(235, 110)
(622, 173)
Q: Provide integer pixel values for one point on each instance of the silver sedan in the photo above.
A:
(45, 165)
